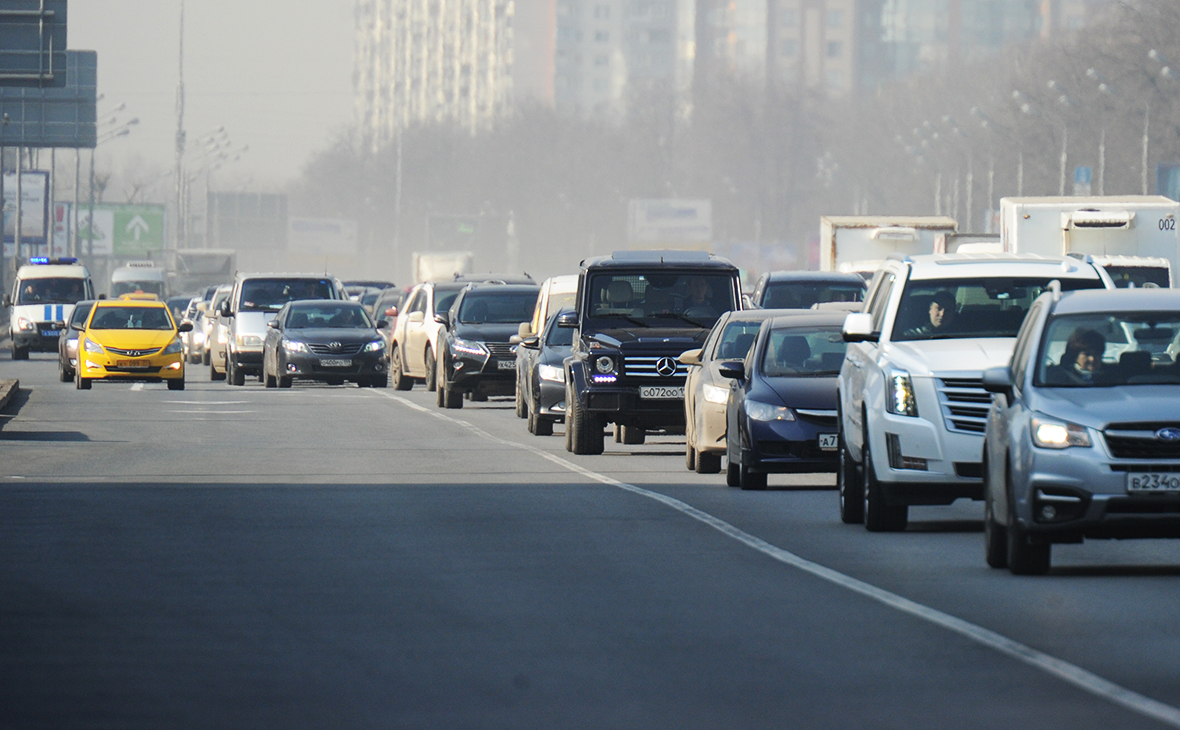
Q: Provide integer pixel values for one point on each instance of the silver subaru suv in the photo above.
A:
(1083, 434)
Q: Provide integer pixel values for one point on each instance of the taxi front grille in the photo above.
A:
(132, 353)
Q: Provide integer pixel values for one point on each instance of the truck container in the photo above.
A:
(1133, 237)
(859, 243)
(441, 265)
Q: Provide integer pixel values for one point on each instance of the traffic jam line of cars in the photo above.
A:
(1027, 382)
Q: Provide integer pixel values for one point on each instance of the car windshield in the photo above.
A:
(1103, 350)
(497, 307)
(81, 313)
(804, 294)
(1139, 276)
(944, 309)
(329, 316)
(269, 295)
(131, 318)
(443, 300)
(808, 352)
(57, 290)
(119, 288)
(736, 340)
(697, 298)
(560, 336)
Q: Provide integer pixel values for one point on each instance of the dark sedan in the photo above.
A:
(326, 340)
(781, 416)
(67, 341)
(475, 357)
(543, 381)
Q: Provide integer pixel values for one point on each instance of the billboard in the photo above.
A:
(670, 221)
(34, 207)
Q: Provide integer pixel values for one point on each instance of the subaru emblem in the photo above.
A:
(1168, 434)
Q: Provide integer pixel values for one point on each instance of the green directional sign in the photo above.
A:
(137, 230)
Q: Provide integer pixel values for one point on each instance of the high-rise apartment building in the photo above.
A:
(606, 49)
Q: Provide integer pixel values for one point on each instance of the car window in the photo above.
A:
(131, 318)
(735, 341)
(804, 294)
(560, 336)
(1079, 351)
(804, 352)
(880, 301)
(444, 299)
(1023, 340)
(54, 290)
(1138, 276)
(329, 316)
(942, 309)
(699, 298)
(496, 307)
(269, 295)
(81, 312)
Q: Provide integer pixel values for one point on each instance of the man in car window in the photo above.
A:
(699, 302)
(1081, 363)
(941, 317)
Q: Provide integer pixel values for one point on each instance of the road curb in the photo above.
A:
(8, 390)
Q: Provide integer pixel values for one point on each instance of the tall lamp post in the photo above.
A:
(121, 131)
(1104, 90)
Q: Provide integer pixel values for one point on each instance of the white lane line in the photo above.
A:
(137, 386)
(208, 402)
(1070, 673)
(214, 413)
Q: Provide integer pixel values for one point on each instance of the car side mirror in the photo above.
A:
(382, 324)
(998, 380)
(273, 324)
(692, 357)
(443, 318)
(858, 327)
(515, 340)
(568, 320)
(225, 310)
(416, 317)
(391, 312)
(7, 300)
(531, 342)
(76, 327)
(524, 330)
(185, 327)
(732, 369)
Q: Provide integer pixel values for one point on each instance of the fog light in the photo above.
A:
(94, 365)
(172, 366)
(1048, 513)
(291, 368)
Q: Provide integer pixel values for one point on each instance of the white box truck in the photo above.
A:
(859, 243)
(441, 266)
(1133, 237)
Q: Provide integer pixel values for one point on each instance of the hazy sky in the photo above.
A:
(276, 73)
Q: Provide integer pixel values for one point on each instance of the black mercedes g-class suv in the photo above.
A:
(637, 311)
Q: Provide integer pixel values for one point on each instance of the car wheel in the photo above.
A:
(285, 381)
(849, 487)
(271, 380)
(632, 435)
(708, 462)
(379, 381)
(995, 537)
(750, 480)
(440, 393)
(690, 457)
(62, 374)
(1024, 557)
(20, 353)
(80, 382)
(522, 408)
(879, 517)
(584, 429)
(234, 375)
(205, 357)
(431, 370)
(452, 399)
(733, 475)
(542, 426)
(397, 372)
(176, 384)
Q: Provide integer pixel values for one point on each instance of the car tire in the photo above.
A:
(205, 357)
(542, 426)
(440, 394)
(271, 380)
(398, 373)
(584, 429)
(176, 384)
(452, 399)
(1024, 557)
(879, 516)
(522, 408)
(431, 370)
(285, 381)
(20, 353)
(234, 375)
(708, 462)
(379, 381)
(214, 375)
(849, 488)
(690, 457)
(81, 383)
(995, 535)
(633, 435)
(750, 480)
(63, 375)
(479, 398)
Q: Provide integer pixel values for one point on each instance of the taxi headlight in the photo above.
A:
(715, 393)
(91, 346)
(376, 346)
(175, 347)
(24, 324)
(249, 341)
(1058, 434)
(552, 373)
(767, 412)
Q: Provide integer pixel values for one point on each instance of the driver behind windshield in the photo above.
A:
(940, 317)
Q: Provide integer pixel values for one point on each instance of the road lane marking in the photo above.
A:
(214, 413)
(1070, 673)
(137, 386)
(209, 402)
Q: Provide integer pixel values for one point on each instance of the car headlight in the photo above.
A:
(24, 324)
(766, 412)
(198, 337)
(249, 341)
(172, 349)
(91, 346)
(715, 394)
(294, 346)
(1050, 434)
(376, 346)
(552, 373)
(604, 364)
(899, 396)
(468, 347)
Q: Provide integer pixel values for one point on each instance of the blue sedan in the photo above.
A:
(781, 415)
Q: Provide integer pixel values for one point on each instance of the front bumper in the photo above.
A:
(788, 447)
(152, 369)
(248, 361)
(309, 366)
(551, 403)
(42, 339)
(710, 426)
(482, 376)
(621, 404)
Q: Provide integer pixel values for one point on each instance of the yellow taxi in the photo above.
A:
(130, 338)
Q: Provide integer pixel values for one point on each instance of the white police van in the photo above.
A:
(42, 300)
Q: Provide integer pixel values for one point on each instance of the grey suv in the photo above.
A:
(1083, 434)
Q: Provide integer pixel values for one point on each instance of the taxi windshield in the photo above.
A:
(131, 318)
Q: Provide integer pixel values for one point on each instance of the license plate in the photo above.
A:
(828, 441)
(1153, 481)
(49, 333)
(336, 363)
(506, 364)
(661, 393)
(131, 363)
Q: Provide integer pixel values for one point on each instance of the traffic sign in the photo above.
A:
(123, 231)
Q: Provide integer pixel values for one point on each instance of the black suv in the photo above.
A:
(475, 357)
(637, 311)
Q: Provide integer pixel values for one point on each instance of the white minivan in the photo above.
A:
(41, 302)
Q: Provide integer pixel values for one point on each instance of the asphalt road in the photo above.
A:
(336, 557)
